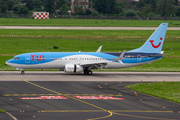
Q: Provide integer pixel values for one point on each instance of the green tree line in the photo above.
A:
(143, 8)
(29, 6)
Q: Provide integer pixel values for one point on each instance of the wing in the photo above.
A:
(101, 64)
(95, 65)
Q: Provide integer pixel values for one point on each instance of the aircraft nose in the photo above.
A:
(7, 62)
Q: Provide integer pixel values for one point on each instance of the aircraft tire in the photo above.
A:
(22, 72)
(89, 72)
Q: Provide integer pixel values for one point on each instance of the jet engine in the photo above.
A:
(71, 68)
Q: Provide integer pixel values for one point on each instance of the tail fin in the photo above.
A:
(155, 42)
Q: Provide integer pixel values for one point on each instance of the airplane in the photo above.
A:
(78, 62)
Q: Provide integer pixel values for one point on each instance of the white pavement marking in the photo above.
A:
(97, 76)
(85, 28)
(14, 118)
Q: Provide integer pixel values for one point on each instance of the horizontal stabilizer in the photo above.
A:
(157, 55)
(120, 57)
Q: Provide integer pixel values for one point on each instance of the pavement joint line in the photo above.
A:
(107, 110)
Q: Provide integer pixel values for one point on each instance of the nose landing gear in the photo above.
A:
(22, 72)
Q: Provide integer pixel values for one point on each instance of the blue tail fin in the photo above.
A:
(155, 42)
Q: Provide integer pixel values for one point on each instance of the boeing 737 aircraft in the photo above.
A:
(77, 62)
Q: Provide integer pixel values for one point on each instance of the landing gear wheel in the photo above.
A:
(85, 71)
(89, 72)
(22, 72)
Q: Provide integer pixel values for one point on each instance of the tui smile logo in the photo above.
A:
(155, 46)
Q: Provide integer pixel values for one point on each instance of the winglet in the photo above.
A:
(120, 57)
(99, 49)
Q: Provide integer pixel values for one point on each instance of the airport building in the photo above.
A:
(79, 4)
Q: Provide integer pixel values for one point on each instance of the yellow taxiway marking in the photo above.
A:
(106, 111)
(110, 113)
(30, 94)
(73, 111)
(102, 117)
(142, 117)
(42, 87)
(59, 94)
(115, 112)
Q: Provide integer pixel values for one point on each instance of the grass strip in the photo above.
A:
(165, 90)
(17, 45)
(11, 46)
(1, 111)
(85, 22)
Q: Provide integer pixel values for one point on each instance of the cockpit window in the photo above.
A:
(16, 58)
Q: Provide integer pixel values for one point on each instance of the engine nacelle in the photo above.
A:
(71, 68)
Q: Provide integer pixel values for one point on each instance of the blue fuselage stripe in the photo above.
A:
(45, 57)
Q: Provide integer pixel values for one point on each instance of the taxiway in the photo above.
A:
(48, 95)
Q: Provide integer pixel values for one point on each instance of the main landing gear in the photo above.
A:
(22, 72)
(87, 72)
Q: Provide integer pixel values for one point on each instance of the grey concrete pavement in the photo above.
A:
(97, 76)
(131, 107)
(41, 90)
